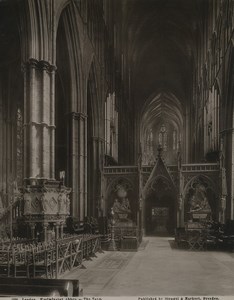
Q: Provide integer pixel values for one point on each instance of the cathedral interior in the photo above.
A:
(117, 124)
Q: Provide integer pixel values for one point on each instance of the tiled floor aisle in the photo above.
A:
(157, 269)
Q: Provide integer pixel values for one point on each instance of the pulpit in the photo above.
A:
(46, 205)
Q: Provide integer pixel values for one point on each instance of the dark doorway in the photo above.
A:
(160, 214)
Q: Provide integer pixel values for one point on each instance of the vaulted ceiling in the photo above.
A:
(160, 37)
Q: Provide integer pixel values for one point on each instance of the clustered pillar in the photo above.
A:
(39, 118)
(78, 163)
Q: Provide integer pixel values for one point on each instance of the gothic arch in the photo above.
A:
(71, 28)
(37, 38)
(120, 180)
(161, 109)
(160, 197)
(210, 191)
(151, 186)
(211, 184)
(112, 193)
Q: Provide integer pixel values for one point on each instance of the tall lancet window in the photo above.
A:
(174, 140)
(151, 141)
(19, 147)
(162, 137)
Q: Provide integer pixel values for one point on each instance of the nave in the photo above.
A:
(158, 268)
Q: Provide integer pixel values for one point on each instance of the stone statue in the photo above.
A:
(126, 205)
(117, 206)
(199, 201)
(121, 205)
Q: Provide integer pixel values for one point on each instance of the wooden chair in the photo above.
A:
(43, 262)
(20, 263)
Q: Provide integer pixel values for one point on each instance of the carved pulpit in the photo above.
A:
(47, 204)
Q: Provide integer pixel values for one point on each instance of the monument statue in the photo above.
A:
(199, 201)
(121, 206)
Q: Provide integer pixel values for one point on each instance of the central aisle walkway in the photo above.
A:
(157, 269)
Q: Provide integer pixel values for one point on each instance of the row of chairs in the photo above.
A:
(39, 259)
(214, 236)
(30, 261)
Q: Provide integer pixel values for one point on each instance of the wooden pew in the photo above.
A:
(39, 287)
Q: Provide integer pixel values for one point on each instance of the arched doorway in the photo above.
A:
(160, 208)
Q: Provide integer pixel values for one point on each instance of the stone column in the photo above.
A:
(39, 127)
(97, 161)
(78, 164)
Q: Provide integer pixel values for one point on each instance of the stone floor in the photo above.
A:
(157, 269)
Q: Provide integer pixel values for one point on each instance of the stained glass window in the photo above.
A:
(163, 137)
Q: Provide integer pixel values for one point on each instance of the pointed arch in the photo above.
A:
(162, 108)
(37, 35)
(201, 178)
(71, 27)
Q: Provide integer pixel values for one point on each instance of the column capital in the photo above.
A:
(77, 115)
(38, 65)
(98, 139)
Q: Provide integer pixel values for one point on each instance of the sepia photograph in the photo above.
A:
(117, 149)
